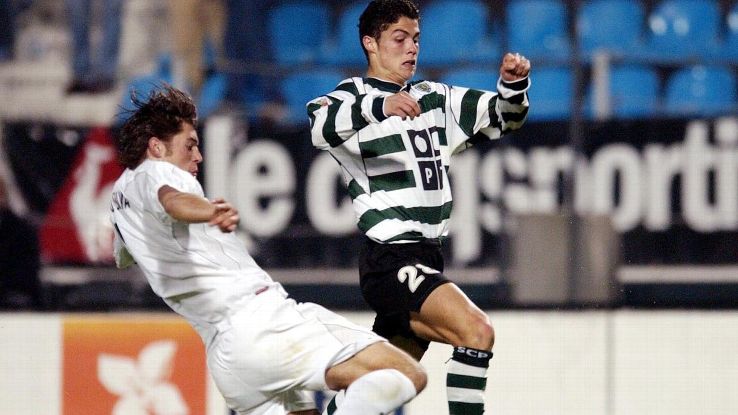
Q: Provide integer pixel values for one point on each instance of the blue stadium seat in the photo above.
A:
(344, 48)
(297, 29)
(634, 92)
(551, 94)
(456, 31)
(613, 26)
(538, 29)
(701, 90)
(298, 88)
(683, 29)
(212, 94)
(730, 43)
(477, 78)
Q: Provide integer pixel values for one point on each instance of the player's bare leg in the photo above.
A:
(448, 316)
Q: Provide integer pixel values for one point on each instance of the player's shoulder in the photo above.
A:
(162, 171)
(349, 86)
(156, 167)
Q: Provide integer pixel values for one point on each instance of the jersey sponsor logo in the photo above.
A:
(429, 175)
(115, 366)
(430, 170)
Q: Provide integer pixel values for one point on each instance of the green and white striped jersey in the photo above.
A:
(395, 169)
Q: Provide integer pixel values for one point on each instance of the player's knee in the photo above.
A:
(479, 334)
(417, 375)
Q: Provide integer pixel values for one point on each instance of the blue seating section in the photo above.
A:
(345, 48)
(701, 90)
(477, 78)
(652, 47)
(683, 29)
(633, 90)
(456, 31)
(730, 44)
(615, 26)
(538, 29)
(300, 87)
(552, 90)
(297, 29)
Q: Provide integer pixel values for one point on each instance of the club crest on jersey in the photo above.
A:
(423, 87)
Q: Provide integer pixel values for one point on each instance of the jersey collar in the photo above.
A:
(383, 85)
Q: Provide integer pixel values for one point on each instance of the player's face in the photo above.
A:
(394, 56)
(182, 150)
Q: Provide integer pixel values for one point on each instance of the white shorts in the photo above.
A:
(274, 346)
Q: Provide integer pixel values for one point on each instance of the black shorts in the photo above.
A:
(396, 279)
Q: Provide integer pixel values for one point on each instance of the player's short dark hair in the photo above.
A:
(160, 115)
(380, 14)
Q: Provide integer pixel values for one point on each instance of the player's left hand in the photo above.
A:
(514, 67)
(225, 217)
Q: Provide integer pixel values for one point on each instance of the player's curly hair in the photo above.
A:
(380, 14)
(161, 115)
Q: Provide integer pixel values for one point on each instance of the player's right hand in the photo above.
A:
(225, 217)
(402, 105)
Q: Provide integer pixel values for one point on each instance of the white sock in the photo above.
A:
(377, 393)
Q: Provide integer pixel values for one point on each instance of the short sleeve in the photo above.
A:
(156, 174)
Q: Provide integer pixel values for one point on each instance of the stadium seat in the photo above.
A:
(212, 94)
(612, 26)
(477, 78)
(701, 90)
(456, 31)
(538, 29)
(551, 90)
(633, 89)
(730, 43)
(344, 48)
(298, 88)
(297, 29)
(683, 29)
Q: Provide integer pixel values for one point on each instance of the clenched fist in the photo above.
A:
(514, 67)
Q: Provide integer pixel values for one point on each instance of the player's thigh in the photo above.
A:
(449, 316)
(374, 357)
(336, 340)
(270, 346)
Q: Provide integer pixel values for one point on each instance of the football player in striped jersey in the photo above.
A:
(394, 140)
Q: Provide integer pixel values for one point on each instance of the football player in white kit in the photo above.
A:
(264, 350)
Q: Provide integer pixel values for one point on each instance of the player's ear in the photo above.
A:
(370, 44)
(155, 147)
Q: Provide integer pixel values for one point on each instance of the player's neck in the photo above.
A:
(385, 77)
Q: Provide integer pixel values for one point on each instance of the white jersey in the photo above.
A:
(192, 266)
(263, 349)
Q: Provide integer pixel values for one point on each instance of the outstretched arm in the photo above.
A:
(190, 208)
